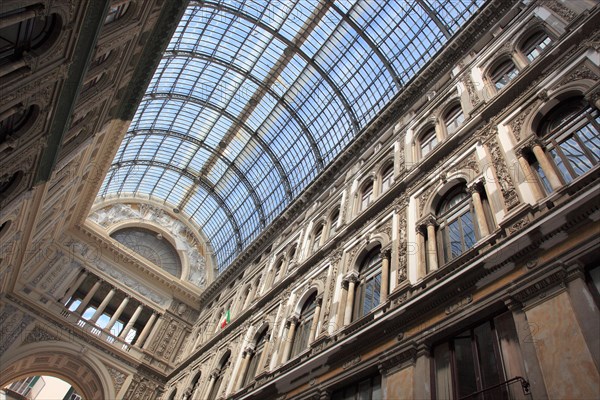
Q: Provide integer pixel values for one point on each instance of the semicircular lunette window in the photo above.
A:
(152, 246)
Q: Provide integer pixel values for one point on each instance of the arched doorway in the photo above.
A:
(82, 371)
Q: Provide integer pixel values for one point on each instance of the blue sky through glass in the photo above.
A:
(252, 99)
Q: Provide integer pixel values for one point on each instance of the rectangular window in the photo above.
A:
(477, 363)
(365, 389)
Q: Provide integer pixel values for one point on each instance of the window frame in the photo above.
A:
(453, 113)
(447, 215)
(369, 275)
(503, 69)
(427, 140)
(304, 324)
(531, 44)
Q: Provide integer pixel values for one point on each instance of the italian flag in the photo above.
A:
(225, 319)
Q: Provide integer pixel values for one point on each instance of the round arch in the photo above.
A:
(438, 193)
(314, 288)
(61, 360)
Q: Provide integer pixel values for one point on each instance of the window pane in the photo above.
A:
(577, 158)
(455, 239)
(543, 179)
(487, 360)
(465, 367)
(561, 166)
(443, 374)
(591, 139)
(468, 230)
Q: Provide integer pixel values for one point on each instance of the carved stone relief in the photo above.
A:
(505, 181)
(119, 212)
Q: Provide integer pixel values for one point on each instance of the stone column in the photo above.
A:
(159, 322)
(542, 158)
(432, 257)
(88, 297)
(422, 385)
(385, 275)
(421, 252)
(28, 13)
(211, 383)
(479, 213)
(131, 321)
(146, 331)
(74, 287)
(315, 321)
(341, 303)
(117, 314)
(293, 322)
(350, 299)
(264, 354)
(530, 176)
(246, 355)
(103, 305)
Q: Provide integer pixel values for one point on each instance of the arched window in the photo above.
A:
(29, 32)
(387, 177)
(571, 134)
(253, 366)
(316, 237)
(305, 320)
(368, 290)
(366, 195)
(9, 183)
(453, 119)
(427, 142)
(333, 222)
(534, 45)
(152, 246)
(503, 74)
(194, 386)
(278, 270)
(457, 227)
(15, 121)
(216, 389)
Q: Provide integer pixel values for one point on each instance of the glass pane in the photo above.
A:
(443, 374)
(377, 395)
(591, 139)
(468, 229)
(488, 363)
(465, 366)
(577, 158)
(364, 390)
(543, 179)
(561, 166)
(454, 235)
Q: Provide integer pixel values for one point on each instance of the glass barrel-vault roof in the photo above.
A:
(252, 99)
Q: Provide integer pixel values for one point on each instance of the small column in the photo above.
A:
(264, 354)
(30, 12)
(341, 303)
(479, 213)
(160, 321)
(211, 382)
(88, 297)
(103, 305)
(282, 343)
(530, 176)
(117, 314)
(350, 299)
(432, 257)
(293, 321)
(246, 355)
(385, 275)
(74, 287)
(421, 252)
(146, 331)
(315, 321)
(131, 321)
(542, 158)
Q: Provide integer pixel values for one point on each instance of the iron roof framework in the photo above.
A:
(252, 99)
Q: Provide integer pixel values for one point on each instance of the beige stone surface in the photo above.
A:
(566, 363)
